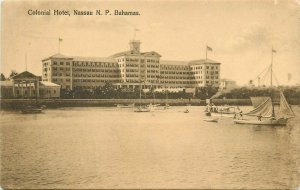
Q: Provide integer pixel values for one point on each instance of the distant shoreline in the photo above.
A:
(57, 103)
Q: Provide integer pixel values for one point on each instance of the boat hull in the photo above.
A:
(125, 106)
(222, 115)
(141, 109)
(273, 122)
(211, 120)
(32, 111)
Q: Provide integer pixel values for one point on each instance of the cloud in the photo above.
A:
(254, 36)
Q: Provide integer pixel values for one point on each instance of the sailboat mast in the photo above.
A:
(271, 81)
(271, 74)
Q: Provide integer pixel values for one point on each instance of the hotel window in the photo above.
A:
(54, 63)
(68, 63)
(61, 63)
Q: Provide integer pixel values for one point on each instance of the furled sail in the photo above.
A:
(264, 109)
(284, 108)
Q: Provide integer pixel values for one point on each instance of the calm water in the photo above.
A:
(114, 148)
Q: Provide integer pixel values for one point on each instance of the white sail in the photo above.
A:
(256, 101)
(284, 108)
(264, 109)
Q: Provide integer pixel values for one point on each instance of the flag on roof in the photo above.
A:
(209, 48)
(60, 39)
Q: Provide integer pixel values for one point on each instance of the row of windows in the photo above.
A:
(60, 68)
(95, 64)
(61, 63)
(97, 75)
(176, 67)
(95, 80)
(207, 67)
(60, 74)
(175, 72)
(96, 70)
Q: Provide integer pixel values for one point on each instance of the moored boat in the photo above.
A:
(125, 105)
(211, 119)
(31, 110)
(142, 109)
(270, 121)
(265, 112)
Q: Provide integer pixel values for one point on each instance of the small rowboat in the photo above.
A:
(31, 110)
(211, 119)
(142, 109)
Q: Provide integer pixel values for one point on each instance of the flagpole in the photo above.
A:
(206, 52)
(58, 45)
(26, 60)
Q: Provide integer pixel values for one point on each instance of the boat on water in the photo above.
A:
(186, 111)
(211, 119)
(264, 107)
(125, 105)
(31, 110)
(264, 111)
(152, 106)
(142, 109)
(221, 111)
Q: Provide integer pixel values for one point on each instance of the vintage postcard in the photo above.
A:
(150, 94)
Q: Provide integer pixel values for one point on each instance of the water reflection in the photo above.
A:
(110, 148)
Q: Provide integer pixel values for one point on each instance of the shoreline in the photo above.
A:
(57, 103)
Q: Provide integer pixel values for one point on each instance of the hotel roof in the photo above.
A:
(150, 53)
(203, 61)
(94, 59)
(57, 56)
(78, 58)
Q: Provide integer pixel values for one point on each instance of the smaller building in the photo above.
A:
(227, 84)
(49, 90)
(28, 85)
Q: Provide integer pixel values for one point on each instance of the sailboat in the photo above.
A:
(141, 108)
(264, 108)
(265, 112)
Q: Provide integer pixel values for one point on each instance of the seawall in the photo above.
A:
(55, 103)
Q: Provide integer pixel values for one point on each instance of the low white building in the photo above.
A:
(49, 90)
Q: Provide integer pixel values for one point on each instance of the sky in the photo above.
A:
(241, 33)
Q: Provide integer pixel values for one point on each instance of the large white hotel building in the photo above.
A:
(129, 69)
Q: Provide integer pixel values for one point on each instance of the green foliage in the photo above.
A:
(2, 78)
(205, 92)
(13, 73)
(245, 93)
